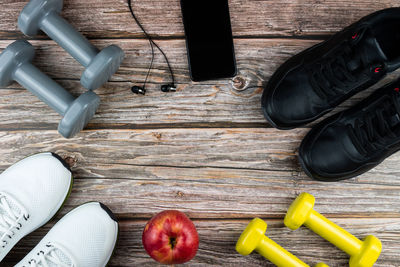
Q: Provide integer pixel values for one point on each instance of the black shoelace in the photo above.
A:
(332, 75)
(379, 128)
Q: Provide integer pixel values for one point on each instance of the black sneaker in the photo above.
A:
(354, 141)
(315, 81)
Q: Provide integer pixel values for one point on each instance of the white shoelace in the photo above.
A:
(51, 256)
(11, 215)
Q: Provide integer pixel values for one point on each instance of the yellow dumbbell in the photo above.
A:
(253, 238)
(362, 253)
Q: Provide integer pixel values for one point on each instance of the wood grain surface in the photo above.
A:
(205, 150)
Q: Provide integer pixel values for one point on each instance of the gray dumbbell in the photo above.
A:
(44, 15)
(15, 65)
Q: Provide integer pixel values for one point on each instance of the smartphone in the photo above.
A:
(209, 40)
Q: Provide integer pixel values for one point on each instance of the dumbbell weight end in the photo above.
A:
(79, 114)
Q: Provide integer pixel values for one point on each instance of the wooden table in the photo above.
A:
(206, 149)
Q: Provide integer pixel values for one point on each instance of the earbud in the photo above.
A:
(138, 90)
(168, 88)
(165, 88)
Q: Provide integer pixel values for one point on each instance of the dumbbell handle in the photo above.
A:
(43, 87)
(278, 255)
(333, 233)
(63, 33)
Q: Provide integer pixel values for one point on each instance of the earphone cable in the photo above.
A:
(151, 65)
(152, 44)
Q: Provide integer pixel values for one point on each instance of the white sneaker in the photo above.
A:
(85, 237)
(31, 193)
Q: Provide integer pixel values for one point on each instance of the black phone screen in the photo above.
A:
(209, 39)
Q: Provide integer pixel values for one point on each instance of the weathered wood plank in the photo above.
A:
(218, 238)
(214, 103)
(92, 153)
(225, 195)
(111, 18)
(199, 172)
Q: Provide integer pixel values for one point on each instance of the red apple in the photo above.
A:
(170, 237)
